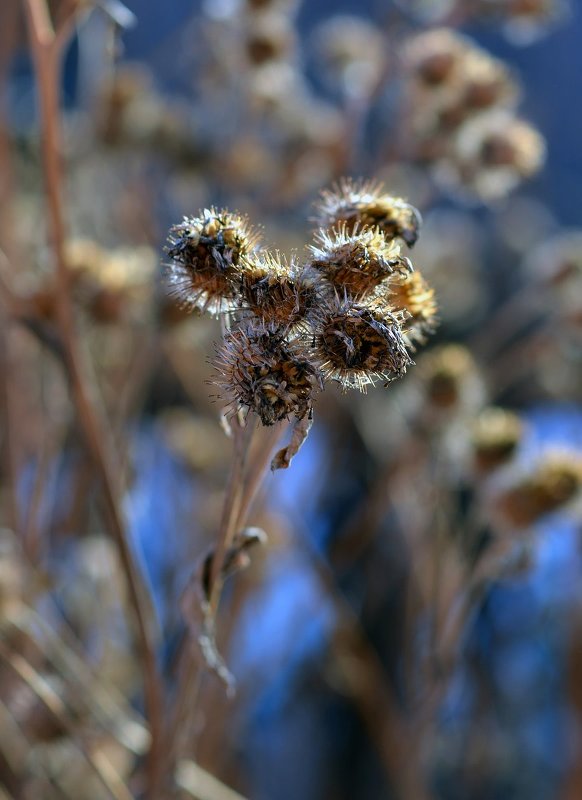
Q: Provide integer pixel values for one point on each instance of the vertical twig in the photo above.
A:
(47, 49)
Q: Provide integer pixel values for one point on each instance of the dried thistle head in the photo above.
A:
(270, 37)
(451, 378)
(355, 261)
(276, 291)
(412, 295)
(352, 52)
(525, 20)
(357, 343)
(260, 370)
(207, 254)
(434, 58)
(555, 482)
(359, 204)
(496, 435)
(494, 152)
(484, 83)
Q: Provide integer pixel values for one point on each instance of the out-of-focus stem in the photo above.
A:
(47, 50)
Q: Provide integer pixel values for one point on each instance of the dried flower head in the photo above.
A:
(276, 291)
(554, 483)
(352, 52)
(263, 372)
(494, 152)
(270, 37)
(363, 204)
(358, 343)
(355, 261)
(433, 58)
(496, 436)
(525, 20)
(451, 378)
(412, 295)
(207, 254)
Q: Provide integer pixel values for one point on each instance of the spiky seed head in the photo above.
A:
(359, 204)
(277, 291)
(434, 58)
(448, 371)
(207, 253)
(496, 436)
(357, 343)
(555, 482)
(356, 261)
(262, 371)
(411, 294)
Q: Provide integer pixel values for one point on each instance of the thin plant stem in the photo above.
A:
(47, 49)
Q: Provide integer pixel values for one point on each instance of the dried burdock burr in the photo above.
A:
(355, 261)
(278, 291)
(493, 153)
(495, 438)
(358, 343)
(411, 294)
(262, 371)
(359, 204)
(554, 483)
(207, 253)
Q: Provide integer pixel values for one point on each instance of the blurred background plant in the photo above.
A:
(402, 619)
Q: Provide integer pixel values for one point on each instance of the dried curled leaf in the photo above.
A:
(196, 599)
(282, 459)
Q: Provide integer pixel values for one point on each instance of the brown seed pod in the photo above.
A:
(451, 379)
(207, 253)
(411, 294)
(433, 59)
(357, 344)
(357, 261)
(359, 204)
(552, 485)
(276, 291)
(261, 371)
(496, 436)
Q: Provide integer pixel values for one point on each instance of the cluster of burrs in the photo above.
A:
(352, 311)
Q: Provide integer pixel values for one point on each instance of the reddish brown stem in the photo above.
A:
(46, 48)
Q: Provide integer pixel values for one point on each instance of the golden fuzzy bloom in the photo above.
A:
(357, 344)
(263, 372)
(360, 204)
(355, 262)
(276, 291)
(554, 483)
(496, 436)
(207, 254)
(412, 294)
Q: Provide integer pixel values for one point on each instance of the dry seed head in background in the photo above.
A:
(207, 254)
(496, 436)
(260, 370)
(358, 343)
(358, 204)
(554, 483)
(278, 291)
(355, 261)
